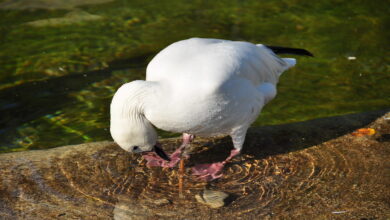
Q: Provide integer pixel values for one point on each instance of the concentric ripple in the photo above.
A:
(342, 178)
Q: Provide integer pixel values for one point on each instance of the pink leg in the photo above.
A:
(212, 171)
(156, 161)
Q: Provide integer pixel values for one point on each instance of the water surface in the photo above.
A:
(308, 170)
(60, 63)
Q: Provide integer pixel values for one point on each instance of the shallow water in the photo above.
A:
(60, 64)
(309, 170)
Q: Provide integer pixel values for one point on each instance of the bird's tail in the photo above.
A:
(287, 50)
(272, 66)
(290, 62)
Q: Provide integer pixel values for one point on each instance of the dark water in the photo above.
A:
(60, 63)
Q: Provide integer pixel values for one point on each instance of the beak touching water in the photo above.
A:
(161, 153)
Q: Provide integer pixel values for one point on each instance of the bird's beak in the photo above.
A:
(161, 153)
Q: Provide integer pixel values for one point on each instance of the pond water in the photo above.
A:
(61, 61)
(304, 170)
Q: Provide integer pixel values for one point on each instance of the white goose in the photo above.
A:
(202, 87)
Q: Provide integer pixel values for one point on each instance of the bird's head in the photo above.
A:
(129, 128)
(140, 138)
(134, 137)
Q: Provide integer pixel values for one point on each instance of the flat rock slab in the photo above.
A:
(313, 169)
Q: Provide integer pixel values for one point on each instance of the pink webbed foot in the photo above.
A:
(208, 172)
(156, 161)
(212, 171)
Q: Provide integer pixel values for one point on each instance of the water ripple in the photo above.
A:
(345, 177)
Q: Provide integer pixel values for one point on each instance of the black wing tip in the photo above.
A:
(288, 50)
(307, 53)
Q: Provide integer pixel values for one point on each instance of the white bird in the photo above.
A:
(202, 87)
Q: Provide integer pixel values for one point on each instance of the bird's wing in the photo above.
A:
(198, 60)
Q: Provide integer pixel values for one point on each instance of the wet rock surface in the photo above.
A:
(303, 170)
(214, 199)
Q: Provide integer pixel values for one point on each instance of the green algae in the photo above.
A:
(326, 85)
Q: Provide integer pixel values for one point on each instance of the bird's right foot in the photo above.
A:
(175, 157)
(156, 161)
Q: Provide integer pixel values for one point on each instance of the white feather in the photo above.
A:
(200, 86)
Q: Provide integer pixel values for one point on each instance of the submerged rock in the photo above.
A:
(303, 170)
(73, 17)
(47, 4)
(212, 198)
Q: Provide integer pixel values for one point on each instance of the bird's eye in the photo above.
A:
(135, 148)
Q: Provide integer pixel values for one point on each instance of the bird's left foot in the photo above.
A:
(212, 171)
(208, 172)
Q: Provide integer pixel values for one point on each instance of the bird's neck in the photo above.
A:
(128, 111)
(130, 102)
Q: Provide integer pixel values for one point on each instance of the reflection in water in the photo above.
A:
(286, 171)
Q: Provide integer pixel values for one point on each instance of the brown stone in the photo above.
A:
(212, 198)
